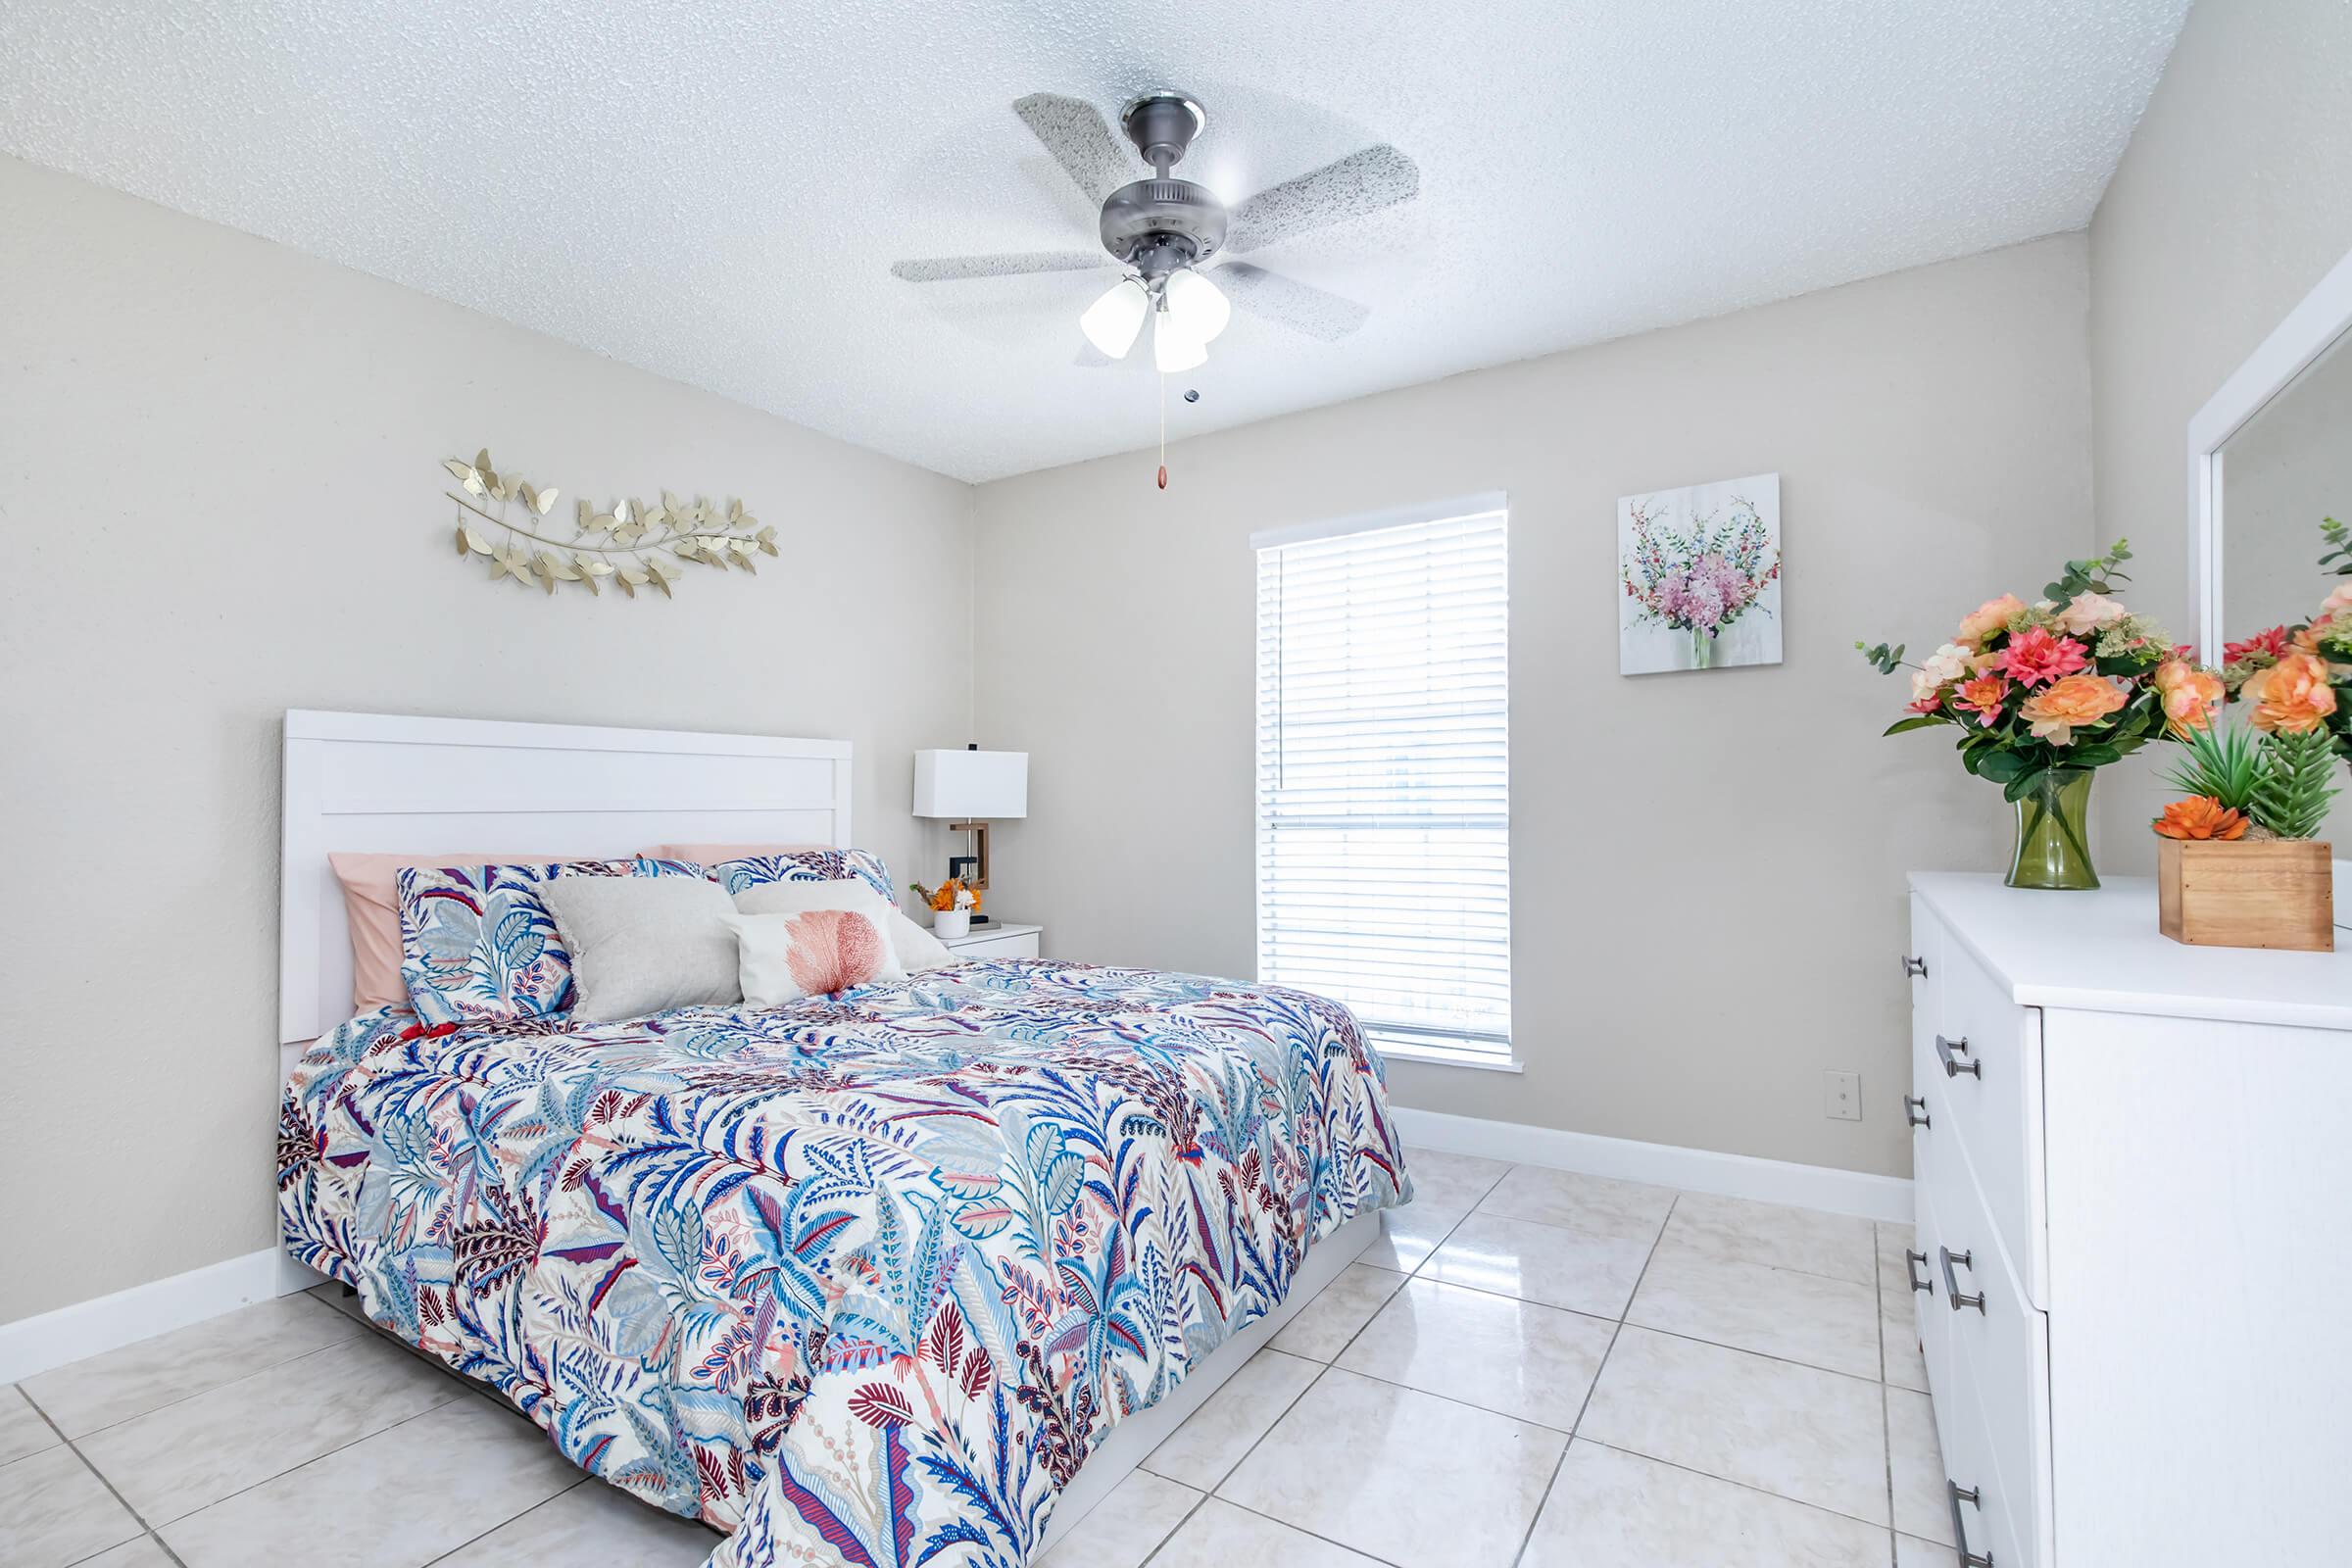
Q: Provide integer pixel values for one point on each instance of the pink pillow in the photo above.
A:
(712, 854)
(371, 908)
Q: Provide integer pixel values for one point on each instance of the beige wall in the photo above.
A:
(219, 497)
(2232, 200)
(1707, 870)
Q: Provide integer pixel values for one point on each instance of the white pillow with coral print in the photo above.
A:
(783, 958)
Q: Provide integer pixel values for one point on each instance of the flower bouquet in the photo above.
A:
(1702, 582)
(950, 903)
(2045, 694)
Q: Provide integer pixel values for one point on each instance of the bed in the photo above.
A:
(909, 1274)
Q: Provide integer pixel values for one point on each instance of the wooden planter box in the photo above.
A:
(2274, 892)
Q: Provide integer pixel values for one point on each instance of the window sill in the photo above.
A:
(1437, 1058)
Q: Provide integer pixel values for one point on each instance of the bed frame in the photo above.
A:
(383, 782)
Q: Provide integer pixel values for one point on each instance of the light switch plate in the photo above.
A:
(1844, 1095)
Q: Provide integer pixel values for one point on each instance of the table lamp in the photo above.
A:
(967, 788)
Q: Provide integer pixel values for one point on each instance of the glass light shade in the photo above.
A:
(1172, 348)
(1199, 304)
(1112, 322)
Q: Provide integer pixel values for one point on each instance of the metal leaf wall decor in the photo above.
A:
(629, 544)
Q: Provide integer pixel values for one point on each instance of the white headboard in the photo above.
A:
(376, 781)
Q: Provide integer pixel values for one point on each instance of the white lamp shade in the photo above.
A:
(1112, 322)
(971, 786)
(1172, 348)
(1198, 305)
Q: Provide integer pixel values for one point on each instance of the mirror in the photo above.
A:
(2285, 471)
(2269, 460)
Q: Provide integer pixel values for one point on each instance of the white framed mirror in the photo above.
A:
(2270, 457)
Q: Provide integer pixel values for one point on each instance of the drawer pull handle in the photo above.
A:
(1956, 1494)
(1917, 968)
(1946, 1051)
(1911, 1262)
(1915, 1110)
(1951, 1284)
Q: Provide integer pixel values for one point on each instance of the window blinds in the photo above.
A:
(1384, 780)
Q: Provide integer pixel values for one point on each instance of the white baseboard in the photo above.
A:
(1697, 1170)
(34, 1344)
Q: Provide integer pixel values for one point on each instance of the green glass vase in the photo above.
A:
(1702, 647)
(2053, 834)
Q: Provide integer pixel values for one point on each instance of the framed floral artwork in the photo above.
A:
(1699, 576)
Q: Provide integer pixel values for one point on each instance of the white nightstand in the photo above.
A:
(999, 939)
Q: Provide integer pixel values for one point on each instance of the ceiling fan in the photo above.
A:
(1164, 230)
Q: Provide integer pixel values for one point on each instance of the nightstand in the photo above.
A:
(999, 939)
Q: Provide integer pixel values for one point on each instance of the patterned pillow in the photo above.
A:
(807, 866)
(477, 946)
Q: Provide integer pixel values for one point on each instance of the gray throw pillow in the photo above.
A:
(642, 945)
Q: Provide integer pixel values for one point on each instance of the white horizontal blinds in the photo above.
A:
(1384, 780)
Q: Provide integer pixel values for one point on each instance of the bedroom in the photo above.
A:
(1610, 961)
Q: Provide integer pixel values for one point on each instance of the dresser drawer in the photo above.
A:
(1982, 1077)
(1023, 946)
(1990, 1370)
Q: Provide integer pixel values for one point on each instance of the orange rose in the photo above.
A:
(2201, 816)
(2190, 695)
(2291, 697)
(2077, 701)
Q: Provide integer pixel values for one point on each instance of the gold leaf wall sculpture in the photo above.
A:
(628, 545)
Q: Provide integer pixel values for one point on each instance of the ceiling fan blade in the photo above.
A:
(1074, 132)
(1011, 263)
(1287, 302)
(1365, 182)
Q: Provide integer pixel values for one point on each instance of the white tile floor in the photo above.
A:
(1528, 1367)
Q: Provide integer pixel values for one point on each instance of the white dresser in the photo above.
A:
(2133, 1168)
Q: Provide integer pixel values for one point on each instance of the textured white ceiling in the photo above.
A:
(716, 189)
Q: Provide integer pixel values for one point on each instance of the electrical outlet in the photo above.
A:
(1844, 1095)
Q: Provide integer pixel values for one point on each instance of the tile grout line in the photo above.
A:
(1562, 1463)
(585, 1478)
(1731, 1480)
(247, 1377)
(1211, 1489)
(136, 1517)
(306, 1464)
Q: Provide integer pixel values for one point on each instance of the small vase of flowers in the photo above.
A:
(2044, 695)
(952, 905)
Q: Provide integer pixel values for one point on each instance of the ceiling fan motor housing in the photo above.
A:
(1158, 226)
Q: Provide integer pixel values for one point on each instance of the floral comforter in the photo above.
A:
(860, 1279)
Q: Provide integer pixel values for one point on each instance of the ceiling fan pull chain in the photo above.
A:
(1164, 430)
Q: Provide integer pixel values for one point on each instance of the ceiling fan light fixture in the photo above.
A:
(1200, 307)
(1173, 348)
(1112, 323)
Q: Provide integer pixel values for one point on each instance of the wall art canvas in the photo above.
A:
(1699, 576)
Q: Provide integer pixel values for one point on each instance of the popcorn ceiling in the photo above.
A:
(718, 191)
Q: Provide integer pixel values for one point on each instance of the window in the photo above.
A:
(1383, 822)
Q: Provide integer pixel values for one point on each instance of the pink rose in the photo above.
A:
(2085, 614)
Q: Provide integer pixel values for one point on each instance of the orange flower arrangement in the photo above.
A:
(952, 894)
(2201, 816)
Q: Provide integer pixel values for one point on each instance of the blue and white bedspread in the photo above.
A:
(860, 1279)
